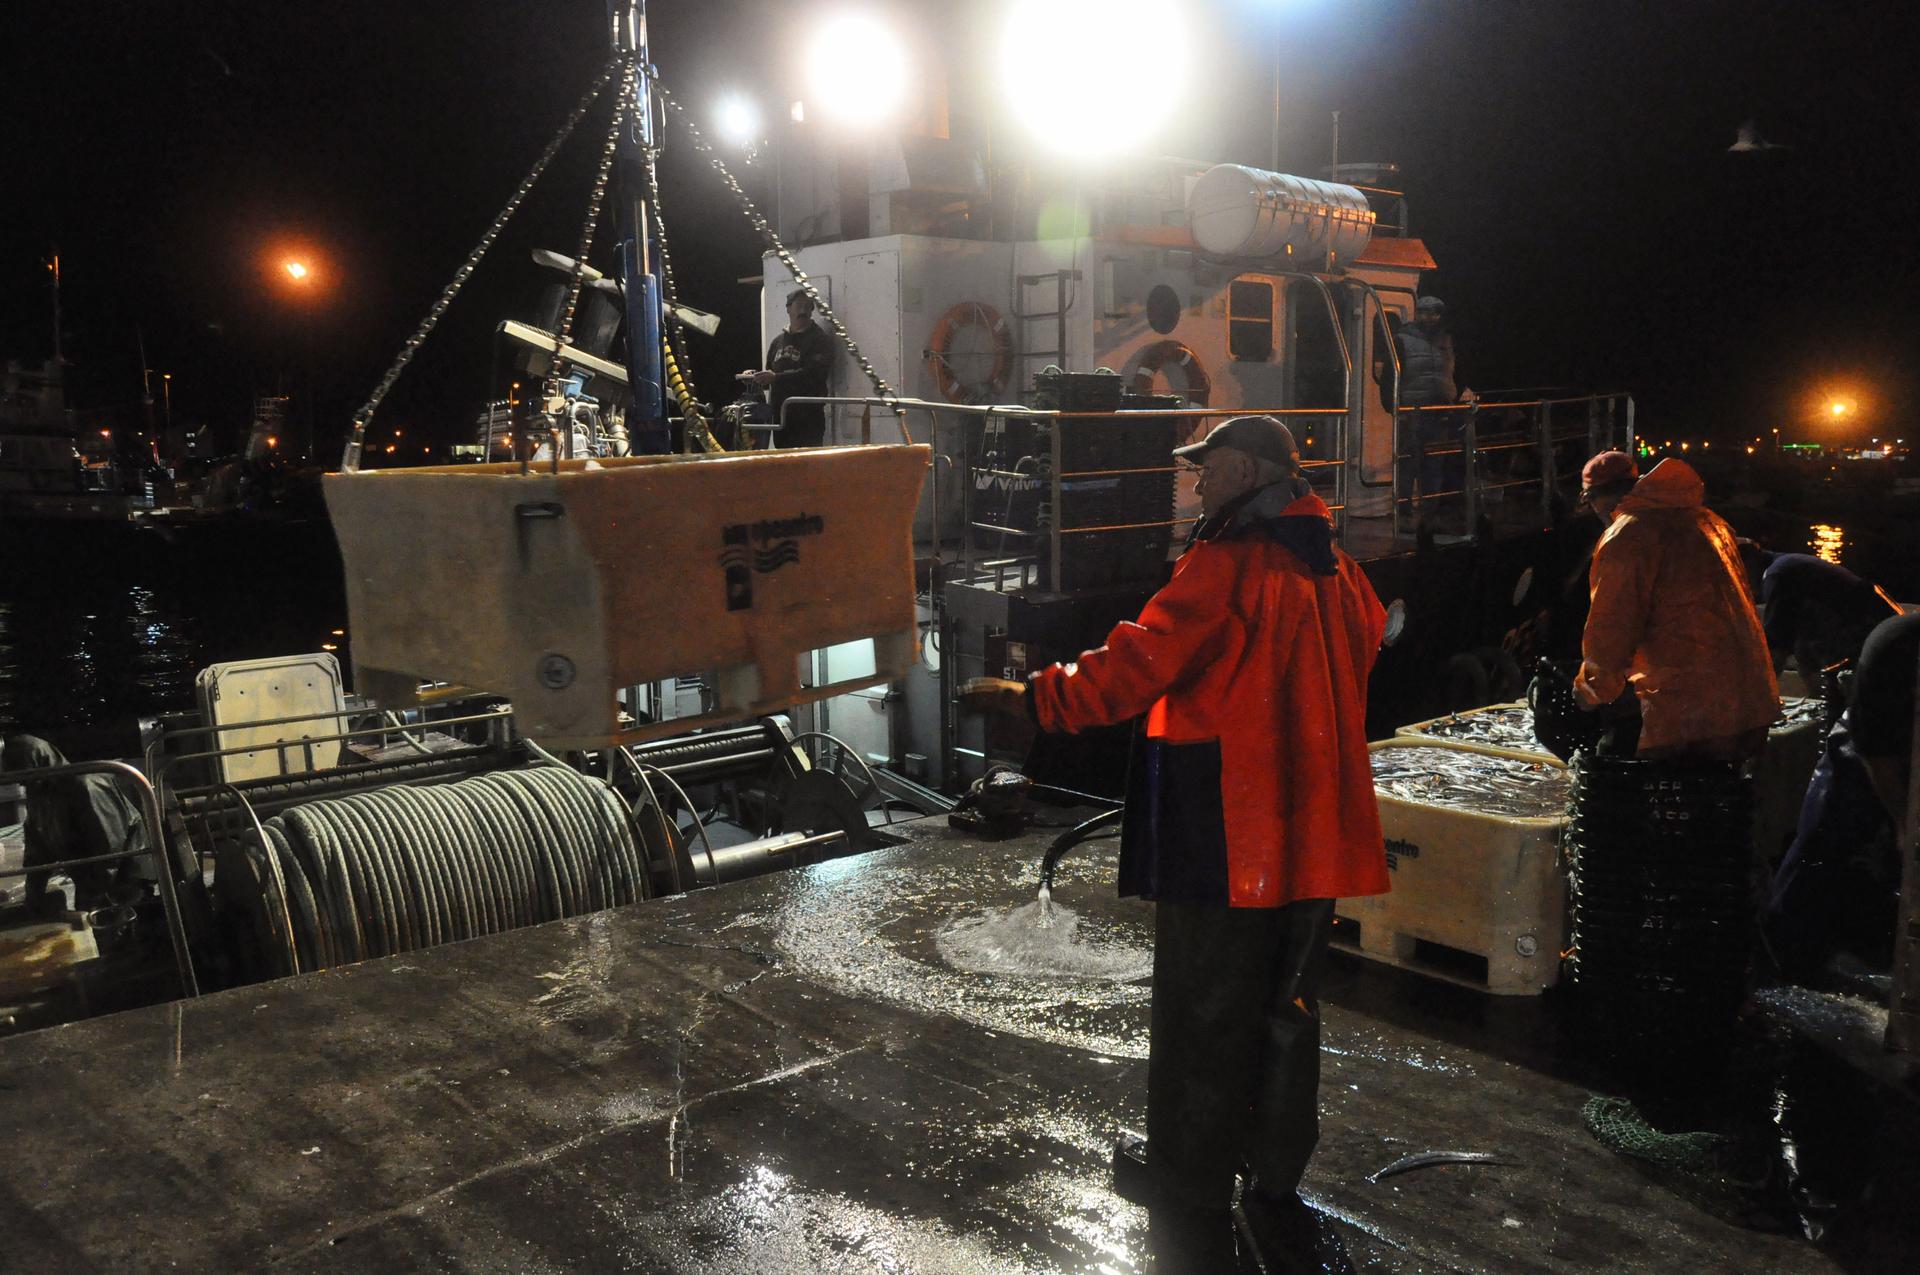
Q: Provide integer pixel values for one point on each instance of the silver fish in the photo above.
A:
(1427, 1159)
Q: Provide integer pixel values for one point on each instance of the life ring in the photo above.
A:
(1163, 354)
(970, 314)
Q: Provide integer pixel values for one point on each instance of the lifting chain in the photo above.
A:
(556, 370)
(350, 461)
(699, 434)
(768, 233)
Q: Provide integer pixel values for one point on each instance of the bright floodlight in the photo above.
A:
(1837, 408)
(298, 269)
(737, 121)
(857, 70)
(1092, 78)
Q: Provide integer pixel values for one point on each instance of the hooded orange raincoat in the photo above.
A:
(1252, 786)
(1672, 618)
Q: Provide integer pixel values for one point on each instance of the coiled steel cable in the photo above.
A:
(402, 868)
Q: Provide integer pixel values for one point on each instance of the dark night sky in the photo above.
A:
(1566, 164)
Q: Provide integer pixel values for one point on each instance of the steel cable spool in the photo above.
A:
(375, 874)
(307, 929)
(398, 872)
(314, 836)
(554, 893)
(430, 822)
(481, 865)
(571, 840)
(313, 924)
(368, 844)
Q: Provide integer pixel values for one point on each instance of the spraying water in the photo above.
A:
(1038, 940)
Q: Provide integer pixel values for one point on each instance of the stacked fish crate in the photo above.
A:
(1473, 842)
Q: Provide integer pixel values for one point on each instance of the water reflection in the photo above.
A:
(91, 641)
(1829, 541)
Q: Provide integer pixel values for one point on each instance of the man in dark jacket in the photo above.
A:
(1425, 347)
(1816, 611)
(1250, 809)
(798, 364)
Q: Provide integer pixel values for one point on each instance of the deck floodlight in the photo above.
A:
(1124, 76)
(856, 70)
(737, 120)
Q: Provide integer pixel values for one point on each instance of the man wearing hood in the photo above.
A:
(1671, 616)
(1250, 809)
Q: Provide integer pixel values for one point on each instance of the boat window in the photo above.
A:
(1317, 371)
(1250, 320)
(1385, 368)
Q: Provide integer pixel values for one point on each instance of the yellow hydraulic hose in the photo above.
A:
(697, 428)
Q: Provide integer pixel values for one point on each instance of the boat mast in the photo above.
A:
(647, 406)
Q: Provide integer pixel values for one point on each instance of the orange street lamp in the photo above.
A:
(297, 270)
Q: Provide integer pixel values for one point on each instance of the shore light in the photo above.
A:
(737, 121)
(1837, 408)
(297, 270)
(1072, 104)
(856, 70)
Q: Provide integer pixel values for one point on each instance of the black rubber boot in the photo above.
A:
(1191, 1241)
(1284, 1235)
(1132, 1181)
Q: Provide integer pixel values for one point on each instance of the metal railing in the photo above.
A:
(1462, 470)
(154, 840)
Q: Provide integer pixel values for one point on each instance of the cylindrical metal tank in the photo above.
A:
(1235, 211)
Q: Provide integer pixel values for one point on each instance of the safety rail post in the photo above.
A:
(1470, 465)
(1400, 475)
(155, 845)
(1549, 482)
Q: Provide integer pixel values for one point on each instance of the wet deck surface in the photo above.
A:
(779, 1076)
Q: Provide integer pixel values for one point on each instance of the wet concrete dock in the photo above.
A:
(784, 1075)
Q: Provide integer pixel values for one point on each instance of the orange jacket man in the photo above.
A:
(1671, 616)
(1250, 809)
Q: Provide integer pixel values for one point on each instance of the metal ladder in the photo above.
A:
(1028, 359)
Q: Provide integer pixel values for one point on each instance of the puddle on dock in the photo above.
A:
(768, 1223)
(968, 943)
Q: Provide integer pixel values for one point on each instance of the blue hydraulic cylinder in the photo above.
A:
(647, 404)
(647, 417)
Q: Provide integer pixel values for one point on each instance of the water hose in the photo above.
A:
(1071, 838)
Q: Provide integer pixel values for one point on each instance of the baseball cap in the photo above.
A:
(1608, 469)
(1432, 305)
(1258, 436)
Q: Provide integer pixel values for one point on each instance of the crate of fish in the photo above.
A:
(1780, 781)
(1501, 728)
(559, 585)
(1473, 844)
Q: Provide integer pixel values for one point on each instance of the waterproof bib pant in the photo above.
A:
(1233, 1068)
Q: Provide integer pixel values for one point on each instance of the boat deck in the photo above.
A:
(777, 1076)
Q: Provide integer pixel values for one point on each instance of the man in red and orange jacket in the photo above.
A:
(1671, 617)
(1249, 811)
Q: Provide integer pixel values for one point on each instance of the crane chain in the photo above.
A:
(629, 88)
(699, 432)
(350, 460)
(768, 233)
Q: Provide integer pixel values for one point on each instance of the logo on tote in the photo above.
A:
(760, 548)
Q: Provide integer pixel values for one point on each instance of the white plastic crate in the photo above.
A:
(1490, 885)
